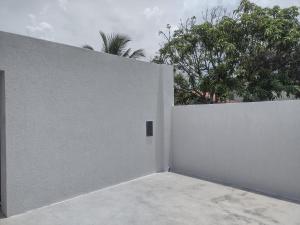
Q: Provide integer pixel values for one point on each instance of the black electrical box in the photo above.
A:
(149, 128)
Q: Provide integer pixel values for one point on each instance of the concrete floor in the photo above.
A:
(164, 199)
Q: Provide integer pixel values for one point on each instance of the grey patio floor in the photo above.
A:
(164, 198)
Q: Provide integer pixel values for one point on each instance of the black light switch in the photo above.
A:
(149, 128)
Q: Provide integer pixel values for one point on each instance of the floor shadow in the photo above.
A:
(2, 216)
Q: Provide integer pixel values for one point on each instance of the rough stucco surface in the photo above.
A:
(164, 199)
(249, 145)
(75, 120)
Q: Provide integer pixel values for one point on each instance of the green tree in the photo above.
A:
(252, 53)
(269, 43)
(202, 55)
(116, 44)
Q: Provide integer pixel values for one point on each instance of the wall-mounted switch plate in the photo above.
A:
(149, 128)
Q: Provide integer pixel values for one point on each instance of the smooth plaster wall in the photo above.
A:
(75, 120)
(250, 145)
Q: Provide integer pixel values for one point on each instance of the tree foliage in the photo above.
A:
(116, 44)
(253, 53)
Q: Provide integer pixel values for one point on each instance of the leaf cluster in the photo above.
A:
(253, 53)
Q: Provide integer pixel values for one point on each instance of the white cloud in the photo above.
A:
(63, 4)
(44, 10)
(39, 29)
(152, 12)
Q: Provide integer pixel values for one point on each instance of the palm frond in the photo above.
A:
(116, 44)
(127, 53)
(137, 54)
(105, 42)
(88, 47)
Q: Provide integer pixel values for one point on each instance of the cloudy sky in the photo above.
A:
(77, 22)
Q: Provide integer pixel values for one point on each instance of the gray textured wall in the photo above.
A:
(2, 139)
(249, 145)
(75, 120)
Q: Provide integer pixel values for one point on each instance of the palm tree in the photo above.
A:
(116, 44)
(88, 47)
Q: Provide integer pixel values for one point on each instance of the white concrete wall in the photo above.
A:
(75, 121)
(249, 145)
